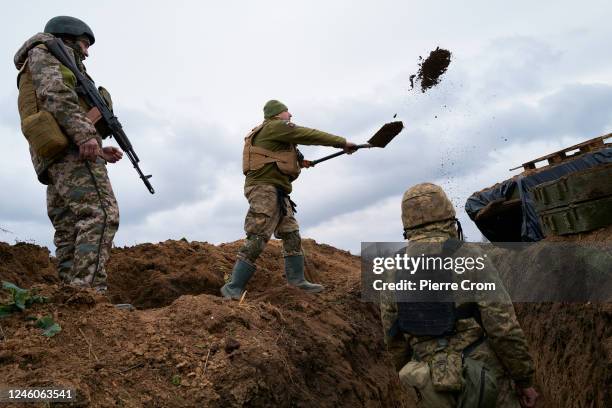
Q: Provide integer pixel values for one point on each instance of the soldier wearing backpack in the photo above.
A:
(472, 354)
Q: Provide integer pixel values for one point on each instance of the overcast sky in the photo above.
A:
(189, 80)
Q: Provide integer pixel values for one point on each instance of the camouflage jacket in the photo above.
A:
(54, 85)
(277, 135)
(505, 351)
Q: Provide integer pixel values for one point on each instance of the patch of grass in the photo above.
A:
(21, 299)
(50, 328)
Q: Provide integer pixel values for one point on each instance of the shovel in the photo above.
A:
(380, 139)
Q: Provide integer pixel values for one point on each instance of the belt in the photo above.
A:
(282, 204)
(468, 350)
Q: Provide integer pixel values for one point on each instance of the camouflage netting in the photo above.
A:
(522, 223)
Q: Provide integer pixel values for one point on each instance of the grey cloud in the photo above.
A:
(513, 66)
(183, 159)
(187, 109)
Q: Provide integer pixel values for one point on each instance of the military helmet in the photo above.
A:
(425, 203)
(65, 25)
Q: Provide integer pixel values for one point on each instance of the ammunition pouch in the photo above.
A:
(100, 125)
(94, 114)
(446, 375)
(106, 96)
(39, 127)
(44, 135)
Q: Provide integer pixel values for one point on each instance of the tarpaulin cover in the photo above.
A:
(528, 222)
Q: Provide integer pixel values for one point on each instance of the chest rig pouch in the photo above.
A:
(38, 126)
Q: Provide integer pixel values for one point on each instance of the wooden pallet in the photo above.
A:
(568, 153)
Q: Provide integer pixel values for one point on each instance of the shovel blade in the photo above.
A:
(386, 133)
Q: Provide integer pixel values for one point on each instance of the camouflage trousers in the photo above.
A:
(265, 218)
(83, 210)
(418, 376)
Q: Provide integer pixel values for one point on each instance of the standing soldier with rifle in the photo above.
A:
(270, 163)
(64, 118)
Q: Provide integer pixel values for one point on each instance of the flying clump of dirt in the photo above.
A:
(431, 69)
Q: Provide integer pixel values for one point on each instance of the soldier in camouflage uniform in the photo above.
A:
(271, 162)
(433, 366)
(80, 200)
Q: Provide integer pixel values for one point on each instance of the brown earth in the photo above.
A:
(25, 264)
(186, 346)
(280, 347)
(572, 347)
(571, 344)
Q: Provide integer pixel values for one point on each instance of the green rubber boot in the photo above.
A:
(241, 274)
(294, 270)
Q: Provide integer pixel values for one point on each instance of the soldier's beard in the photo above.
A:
(78, 53)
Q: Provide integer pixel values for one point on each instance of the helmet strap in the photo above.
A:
(459, 230)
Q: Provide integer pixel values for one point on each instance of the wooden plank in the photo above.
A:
(560, 156)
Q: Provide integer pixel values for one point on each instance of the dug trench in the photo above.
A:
(186, 346)
(571, 342)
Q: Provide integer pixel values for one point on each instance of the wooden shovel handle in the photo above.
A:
(331, 156)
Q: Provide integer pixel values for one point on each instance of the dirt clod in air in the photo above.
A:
(431, 69)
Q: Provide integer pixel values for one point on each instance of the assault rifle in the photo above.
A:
(88, 90)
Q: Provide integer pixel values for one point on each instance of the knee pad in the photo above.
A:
(292, 243)
(252, 248)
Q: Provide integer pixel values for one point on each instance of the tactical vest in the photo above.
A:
(431, 313)
(255, 157)
(39, 127)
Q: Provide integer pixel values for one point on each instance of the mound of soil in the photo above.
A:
(572, 347)
(186, 346)
(149, 275)
(571, 343)
(25, 264)
(431, 69)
